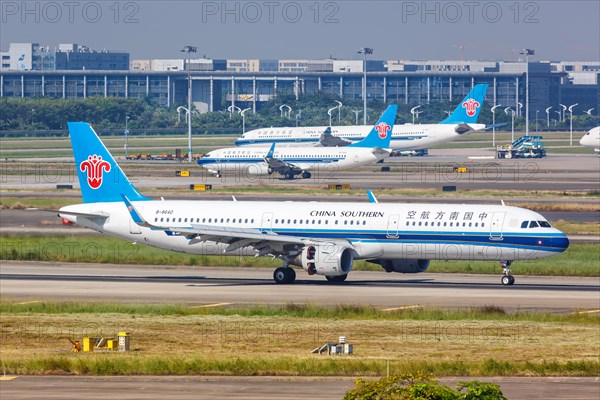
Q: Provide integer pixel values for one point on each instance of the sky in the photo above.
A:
(272, 29)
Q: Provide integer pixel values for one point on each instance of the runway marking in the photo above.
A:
(29, 302)
(588, 312)
(401, 308)
(7, 378)
(212, 305)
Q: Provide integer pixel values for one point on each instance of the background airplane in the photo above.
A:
(404, 137)
(592, 139)
(290, 161)
(322, 238)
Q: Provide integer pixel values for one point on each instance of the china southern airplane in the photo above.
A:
(404, 137)
(301, 160)
(592, 139)
(321, 238)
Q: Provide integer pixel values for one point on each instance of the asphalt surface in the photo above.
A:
(258, 388)
(33, 281)
(244, 286)
(570, 172)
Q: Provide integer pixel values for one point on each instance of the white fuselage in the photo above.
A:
(408, 231)
(592, 139)
(252, 159)
(405, 136)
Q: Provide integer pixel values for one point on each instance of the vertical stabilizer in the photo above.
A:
(100, 177)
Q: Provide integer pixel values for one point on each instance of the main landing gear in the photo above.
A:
(284, 275)
(507, 278)
(337, 278)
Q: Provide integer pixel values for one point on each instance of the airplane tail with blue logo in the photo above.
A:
(468, 109)
(381, 133)
(100, 177)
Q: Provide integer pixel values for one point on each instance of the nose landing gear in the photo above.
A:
(507, 278)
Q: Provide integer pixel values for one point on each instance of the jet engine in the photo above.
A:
(258, 170)
(405, 266)
(327, 259)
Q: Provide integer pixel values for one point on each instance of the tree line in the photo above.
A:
(39, 114)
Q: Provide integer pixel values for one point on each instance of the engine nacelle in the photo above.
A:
(258, 170)
(327, 259)
(405, 266)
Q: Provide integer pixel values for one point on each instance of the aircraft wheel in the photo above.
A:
(289, 176)
(306, 175)
(291, 274)
(282, 275)
(337, 278)
(508, 280)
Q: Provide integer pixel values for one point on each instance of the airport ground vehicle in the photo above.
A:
(524, 147)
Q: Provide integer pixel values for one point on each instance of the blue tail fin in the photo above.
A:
(271, 151)
(381, 133)
(468, 109)
(100, 177)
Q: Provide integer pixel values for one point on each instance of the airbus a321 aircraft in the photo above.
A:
(321, 238)
(404, 137)
(302, 160)
(592, 139)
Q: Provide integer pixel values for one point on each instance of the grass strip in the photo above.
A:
(577, 260)
(103, 365)
(293, 310)
(280, 343)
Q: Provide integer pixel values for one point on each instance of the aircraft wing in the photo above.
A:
(328, 140)
(282, 167)
(488, 127)
(278, 165)
(264, 242)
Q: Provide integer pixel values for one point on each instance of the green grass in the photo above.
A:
(577, 260)
(128, 364)
(292, 310)
(276, 340)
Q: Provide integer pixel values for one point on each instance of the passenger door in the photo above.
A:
(392, 226)
(497, 225)
(267, 220)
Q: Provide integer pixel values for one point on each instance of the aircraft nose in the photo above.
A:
(561, 242)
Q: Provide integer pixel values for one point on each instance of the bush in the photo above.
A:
(422, 387)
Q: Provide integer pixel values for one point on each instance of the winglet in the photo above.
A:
(372, 198)
(135, 214)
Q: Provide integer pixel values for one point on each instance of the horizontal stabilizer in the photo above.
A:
(102, 215)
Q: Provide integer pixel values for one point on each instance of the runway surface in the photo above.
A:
(31, 281)
(258, 388)
(571, 172)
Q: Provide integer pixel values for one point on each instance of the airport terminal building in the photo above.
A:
(219, 84)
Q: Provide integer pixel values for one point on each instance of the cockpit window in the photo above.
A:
(544, 224)
(533, 224)
(524, 224)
